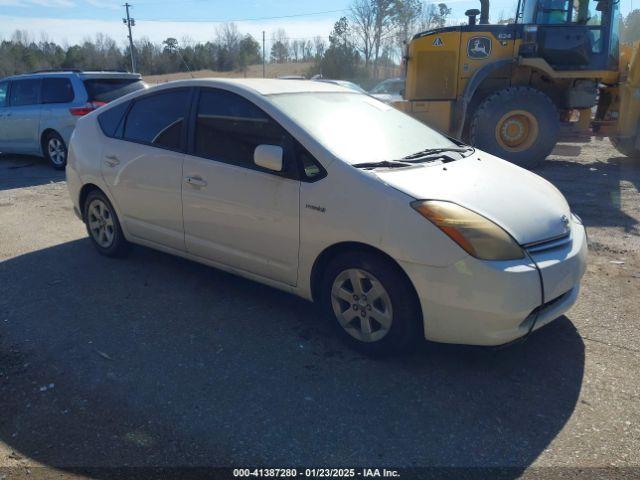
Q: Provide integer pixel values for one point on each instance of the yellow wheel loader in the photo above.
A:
(510, 89)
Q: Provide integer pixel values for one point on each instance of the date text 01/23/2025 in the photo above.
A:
(315, 473)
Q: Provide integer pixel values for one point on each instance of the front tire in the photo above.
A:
(103, 226)
(55, 150)
(372, 302)
(519, 124)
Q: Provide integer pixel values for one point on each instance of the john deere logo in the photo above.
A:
(438, 42)
(479, 47)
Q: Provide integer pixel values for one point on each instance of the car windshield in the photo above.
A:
(358, 128)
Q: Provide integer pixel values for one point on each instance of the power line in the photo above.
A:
(255, 19)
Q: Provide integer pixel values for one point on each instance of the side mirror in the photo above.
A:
(269, 157)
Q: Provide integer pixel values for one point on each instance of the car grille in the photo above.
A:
(549, 244)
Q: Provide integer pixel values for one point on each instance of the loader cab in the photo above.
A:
(571, 34)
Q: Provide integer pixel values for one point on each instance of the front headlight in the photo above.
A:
(477, 235)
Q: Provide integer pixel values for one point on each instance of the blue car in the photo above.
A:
(38, 111)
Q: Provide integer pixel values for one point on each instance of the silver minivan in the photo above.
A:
(38, 111)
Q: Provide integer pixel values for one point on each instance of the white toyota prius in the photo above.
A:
(397, 231)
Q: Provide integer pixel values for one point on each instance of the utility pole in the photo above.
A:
(264, 58)
(130, 22)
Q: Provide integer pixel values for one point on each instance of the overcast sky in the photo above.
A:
(71, 21)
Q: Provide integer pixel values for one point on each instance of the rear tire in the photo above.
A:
(377, 312)
(103, 226)
(55, 150)
(626, 146)
(519, 124)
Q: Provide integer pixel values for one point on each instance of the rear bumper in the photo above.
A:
(492, 303)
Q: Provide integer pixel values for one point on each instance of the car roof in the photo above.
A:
(82, 74)
(261, 86)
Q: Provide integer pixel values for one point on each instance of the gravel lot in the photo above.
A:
(154, 360)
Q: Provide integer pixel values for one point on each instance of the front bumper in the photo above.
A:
(478, 302)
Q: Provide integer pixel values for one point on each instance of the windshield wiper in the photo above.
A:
(437, 151)
(383, 164)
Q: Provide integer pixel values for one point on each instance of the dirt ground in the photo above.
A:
(157, 361)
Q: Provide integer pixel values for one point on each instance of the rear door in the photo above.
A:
(142, 165)
(236, 213)
(22, 119)
(57, 97)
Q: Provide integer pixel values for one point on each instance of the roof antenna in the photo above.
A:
(185, 63)
(171, 45)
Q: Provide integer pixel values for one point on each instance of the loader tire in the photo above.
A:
(518, 124)
(626, 146)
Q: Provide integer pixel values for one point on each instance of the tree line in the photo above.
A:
(361, 45)
(366, 44)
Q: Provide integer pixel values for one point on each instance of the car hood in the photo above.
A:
(524, 204)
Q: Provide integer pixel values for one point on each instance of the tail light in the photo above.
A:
(88, 108)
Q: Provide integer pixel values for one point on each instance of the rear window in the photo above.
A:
(108, 89)
(57, 90)
(158, 119)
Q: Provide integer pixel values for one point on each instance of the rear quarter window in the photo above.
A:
(109, 89)
(111, 120)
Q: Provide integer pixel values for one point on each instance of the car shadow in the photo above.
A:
(18, 171)
(157, 361)
(594, 190)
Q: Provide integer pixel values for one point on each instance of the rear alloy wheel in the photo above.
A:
(103, 226)
(373, 303)
(55, 150)
(518, 124)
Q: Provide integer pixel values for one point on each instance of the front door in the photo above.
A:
(22, 118)
(143, 169)
(236, 213)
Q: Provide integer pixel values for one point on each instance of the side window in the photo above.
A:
(158, 119)
(112, 119)
(312, 171)
(57, 90)
(24, 92)
(229, 128)
(4, 88)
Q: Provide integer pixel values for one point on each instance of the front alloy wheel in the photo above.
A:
(362, 305)
(371, 302)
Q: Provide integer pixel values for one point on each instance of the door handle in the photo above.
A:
(196, 181)
(112, 160)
